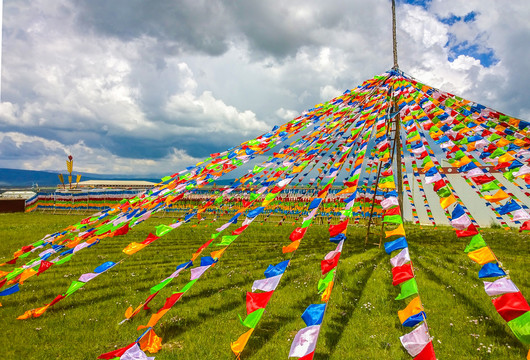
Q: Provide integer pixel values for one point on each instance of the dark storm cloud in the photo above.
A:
(196, 25)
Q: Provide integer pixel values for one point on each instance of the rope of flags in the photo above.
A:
(328, 141)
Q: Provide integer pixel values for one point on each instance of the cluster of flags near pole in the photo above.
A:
(329, 140)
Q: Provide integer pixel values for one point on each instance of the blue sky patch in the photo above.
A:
(423, 3)
(486, 56)
(469, 17)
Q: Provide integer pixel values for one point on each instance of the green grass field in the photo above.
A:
(361, 321)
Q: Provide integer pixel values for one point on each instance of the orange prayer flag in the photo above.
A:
(151, 342)
(397, 231)
(26, 315)
(291, 247)
(154, 319)
(498, 196)
(414, 307)
(39, 311)
(238, 345)
(26, 274)
(217, 254)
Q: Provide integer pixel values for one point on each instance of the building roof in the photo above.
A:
(17, 194)
(115, 184)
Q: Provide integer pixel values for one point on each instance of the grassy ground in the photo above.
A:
(361, 321)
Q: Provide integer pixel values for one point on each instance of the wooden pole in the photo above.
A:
(394, 37)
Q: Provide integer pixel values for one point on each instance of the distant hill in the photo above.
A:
(26, 178)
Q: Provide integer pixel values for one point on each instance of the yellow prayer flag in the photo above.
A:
(506, 158)
(238, 345)
(327, 293)
(397, 231)
(133, 248)
(387, 185)
(414, 307)
(482, 256)
(427, 166)
(348, 190)
(445, 202)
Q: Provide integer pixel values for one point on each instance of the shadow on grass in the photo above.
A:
(494, 327)
(174, 329)
(340, 321)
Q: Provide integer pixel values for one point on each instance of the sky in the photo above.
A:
(140, 87)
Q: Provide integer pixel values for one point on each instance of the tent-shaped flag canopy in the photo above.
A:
(359, 141)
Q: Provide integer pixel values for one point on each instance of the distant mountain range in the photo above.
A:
(28, 178)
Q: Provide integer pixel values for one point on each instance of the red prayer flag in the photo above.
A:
(148, 300)
(44, 265)
(392, 211)
(257, 300)
(327, 265)
(150, 238)
(56, 300)
(525, 226)
(122, 231)
(438, 185)
(238, 231)
(482, 179)
(427, 353)
(511, 305)
(401, 274)
(116, 353)
(308, 356)
(297, 234)
(170, 301)
(470, 231)
(335, 230)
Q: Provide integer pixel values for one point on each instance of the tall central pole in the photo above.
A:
(394, 37)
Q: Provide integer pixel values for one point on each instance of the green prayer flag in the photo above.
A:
(459, 155)
(25, 255)
(74, 286)
(166, 178)
(521, 327)
(270, 196)
(13, 274)
(214, 236)
(408, 288)
(187, 286)
(323, 283)
(160, 286)
(389, 178)
(444, 192)
(253, 196)
(64, 259)
(307, 223)
(252, 319)
(477, 242)
(509, 175)
(227, 240)
(497, 152)
(162, 230)
(490, 186)
(393, 219)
